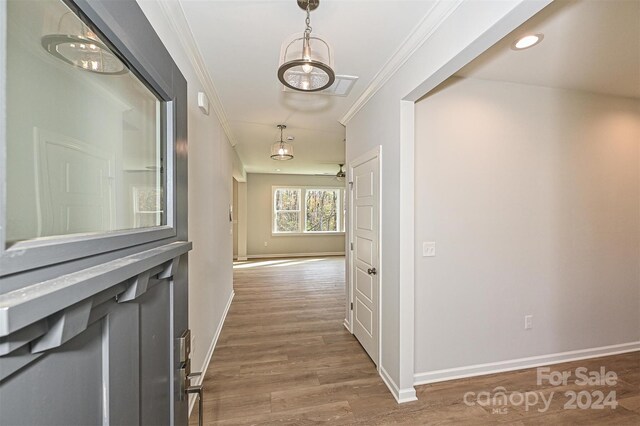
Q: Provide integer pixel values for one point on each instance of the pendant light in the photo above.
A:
(341, 174)
(281, 150)
(306, 62)
(77, 45)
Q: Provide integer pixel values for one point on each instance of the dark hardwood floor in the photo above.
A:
(284, 357)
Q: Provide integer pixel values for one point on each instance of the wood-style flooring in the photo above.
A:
(284, 357)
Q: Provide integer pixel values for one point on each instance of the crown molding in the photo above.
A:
(173, 12)
(421, 33)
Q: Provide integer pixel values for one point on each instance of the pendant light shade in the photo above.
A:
(77, 45)
(306, 62)
(281, 150)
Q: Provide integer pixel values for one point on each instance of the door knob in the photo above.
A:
(372, 271)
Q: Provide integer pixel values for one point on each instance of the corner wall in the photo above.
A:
(532, 195)
(259, 208)
(378, 123)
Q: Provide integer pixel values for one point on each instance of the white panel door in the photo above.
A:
(364, 232)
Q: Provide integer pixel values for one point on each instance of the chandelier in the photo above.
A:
(306, 61)
(281, 150)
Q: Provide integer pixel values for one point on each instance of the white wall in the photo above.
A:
(378, 123)
(211, 166)
(532, 196)
(259, 206)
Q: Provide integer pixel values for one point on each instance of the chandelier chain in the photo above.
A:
(307, 31)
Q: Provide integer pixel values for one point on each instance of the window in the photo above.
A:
(308, 210)
(286, 210)
(83, 132)
(321, 210)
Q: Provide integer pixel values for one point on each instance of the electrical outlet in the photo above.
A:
(528, 322)
(428, 249)
(266, 243)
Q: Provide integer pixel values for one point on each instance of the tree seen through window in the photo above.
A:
(321, 210)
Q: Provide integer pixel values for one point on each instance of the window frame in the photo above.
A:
(303, 211)
(155, 69)
(274, 216)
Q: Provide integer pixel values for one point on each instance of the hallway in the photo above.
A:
(285, 357)
(284, 354)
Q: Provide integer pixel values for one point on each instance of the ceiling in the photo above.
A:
(240, 45)
(588, 45)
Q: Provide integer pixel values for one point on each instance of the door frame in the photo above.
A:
(91, 264)
(367, 156)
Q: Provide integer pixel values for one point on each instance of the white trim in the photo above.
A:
(406, 277)
(369, 155)
(518, 15)
(347, 325)
(285, 255)
(401, 395)
(349, 250)
(274, 212)
(380, 265)
(522, 363)
(207, 358)
(421, 33)
(174, 13)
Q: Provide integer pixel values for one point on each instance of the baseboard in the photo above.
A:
(240, 258)
(522, 363)
(401, 395)
(347, 326)
(285, 255)
(207, 359)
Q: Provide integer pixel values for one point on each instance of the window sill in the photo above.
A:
(304, 234)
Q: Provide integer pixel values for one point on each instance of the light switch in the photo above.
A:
(429, 249)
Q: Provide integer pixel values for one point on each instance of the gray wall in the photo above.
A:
(532, 195)
(259, 187)
(212, 162)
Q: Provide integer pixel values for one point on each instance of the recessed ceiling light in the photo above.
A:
(527, 41)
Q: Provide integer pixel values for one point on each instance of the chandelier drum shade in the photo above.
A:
(306, 61)
(281, 150)
(77, 45)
